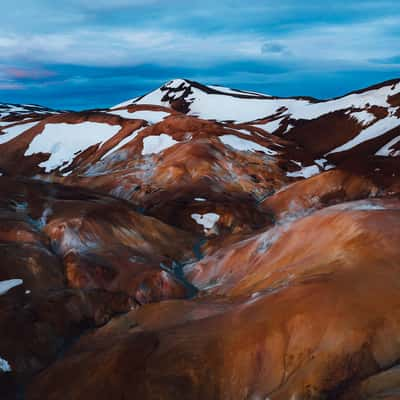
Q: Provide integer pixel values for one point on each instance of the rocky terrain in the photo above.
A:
(201, 242)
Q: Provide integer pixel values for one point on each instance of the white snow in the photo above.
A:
(367, 207)
(125, 103)
(14, 131)
(324, 164)
(157, 143)
(305, 172)
(271, 126)
(153, 98)
(380, 127)
(221, 107)
(123, 142)
(361, 205)
(64, 141)
(288, 128)
(207, 220)
(245, 132)
(5, 286)
(387, 149)
(177, 94)
(152, 117)
(244, 145)
(8, 109)
(321, 162)
(363, 117)
(226, 90)
(4, 365)
(176, 83)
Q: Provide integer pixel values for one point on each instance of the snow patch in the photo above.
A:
(7, 285)
(4, 365)
(153, 117)
(305, 172)
(244, 145)
(363, 117)
(176, 83)
(207, 220)
(156, 144)
(64, 141)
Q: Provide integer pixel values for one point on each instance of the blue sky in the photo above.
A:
(80, 54)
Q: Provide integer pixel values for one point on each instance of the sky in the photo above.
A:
(79, 54)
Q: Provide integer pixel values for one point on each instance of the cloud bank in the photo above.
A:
(95, 52)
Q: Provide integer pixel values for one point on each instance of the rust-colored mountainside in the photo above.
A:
(201, 242)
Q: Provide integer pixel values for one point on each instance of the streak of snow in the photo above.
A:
(123, 142)
(387, 150)
(305, 172)
(14, 131)
(7, 285)
(244, 145)
(226, 90)
(378, 128)
(152, 117)
(361, 205)
(245, 132)
(270, 126)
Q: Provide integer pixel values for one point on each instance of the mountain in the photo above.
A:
(202, 242)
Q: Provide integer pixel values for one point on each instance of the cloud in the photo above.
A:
(28, 73)
(127, 47)
(102, 51)
(274, 48)
(394, 60)
(115, 4)
(10, 86)
(330, 45)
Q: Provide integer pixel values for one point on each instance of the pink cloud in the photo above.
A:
(10, 86)
(25, 73)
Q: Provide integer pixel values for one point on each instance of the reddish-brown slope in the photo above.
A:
(305, 323)
(82, 258)
(101, 241)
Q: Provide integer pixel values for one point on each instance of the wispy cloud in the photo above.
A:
(343, 45)
(127, 47)
(96, 46)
